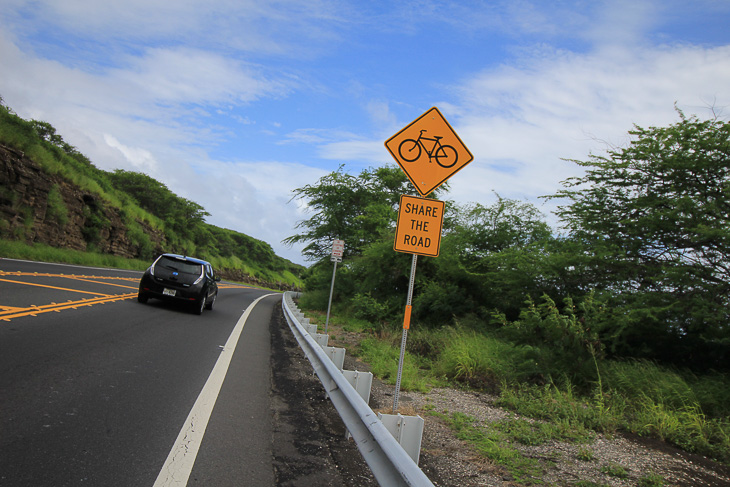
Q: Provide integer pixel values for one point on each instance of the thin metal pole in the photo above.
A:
(332, 290)
(406, 327)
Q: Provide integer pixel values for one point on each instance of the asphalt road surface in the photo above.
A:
(98, 389)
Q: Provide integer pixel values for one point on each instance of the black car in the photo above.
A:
(182, 279)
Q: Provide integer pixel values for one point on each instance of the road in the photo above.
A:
(98, 389)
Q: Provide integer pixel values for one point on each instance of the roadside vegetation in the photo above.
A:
(46, 253)
(643, 397)
(617, 324)
(140, 201)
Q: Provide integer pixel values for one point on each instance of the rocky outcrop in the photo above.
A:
(36, 206)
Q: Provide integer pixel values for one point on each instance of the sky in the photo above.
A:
(234, 104)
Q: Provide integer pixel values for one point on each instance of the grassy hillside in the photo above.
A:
(153, 217)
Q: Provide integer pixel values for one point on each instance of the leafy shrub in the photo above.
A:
(426, 343)
(365, 307)
(437, 303)
(569, 340)
(94, 223)
(145, 247)
(316, 299)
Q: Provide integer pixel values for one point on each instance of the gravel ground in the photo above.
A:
(448, 461)
(456, 464)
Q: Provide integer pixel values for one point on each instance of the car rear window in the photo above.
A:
(180, 266)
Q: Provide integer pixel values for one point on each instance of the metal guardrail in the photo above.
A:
(388, 461)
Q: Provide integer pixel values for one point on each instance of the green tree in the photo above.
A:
(355, 208)
(47, 132)
(184, 217)
(497, 255)
(484, 230)
(656, 218)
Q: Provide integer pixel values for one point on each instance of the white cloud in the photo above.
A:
(135, 120)
(521, 120)
(151, 86)
(251, 26)
(252, 198)
(356, 150)
(140, 159)
(192, 76)
(526, 119)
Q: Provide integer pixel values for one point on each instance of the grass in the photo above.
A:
(495, 445)
(651, 479)
(642, 397)
(384, 358)
(615, 470)
(44, 253)
(586, 455)
(532, 433)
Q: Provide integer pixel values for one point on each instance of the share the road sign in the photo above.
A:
(419, 226)
(429, 151)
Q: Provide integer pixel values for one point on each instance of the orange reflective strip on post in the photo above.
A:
(407, 318)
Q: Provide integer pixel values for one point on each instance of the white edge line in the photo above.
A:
(180, 461)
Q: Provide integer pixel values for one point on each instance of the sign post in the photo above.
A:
(417, 232)
(338, 249)
(406, 327)
(429, 151)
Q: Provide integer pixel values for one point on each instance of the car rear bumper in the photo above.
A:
(168, 292)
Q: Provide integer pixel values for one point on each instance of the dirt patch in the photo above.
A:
(309, 444)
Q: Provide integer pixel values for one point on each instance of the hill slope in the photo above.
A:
(52, 194)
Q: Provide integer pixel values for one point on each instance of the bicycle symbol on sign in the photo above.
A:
(445, 155)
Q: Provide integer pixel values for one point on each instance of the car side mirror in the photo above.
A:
(217, 278)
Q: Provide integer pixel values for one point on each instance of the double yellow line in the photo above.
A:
(7, 313)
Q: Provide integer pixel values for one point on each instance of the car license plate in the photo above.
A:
(168, 292)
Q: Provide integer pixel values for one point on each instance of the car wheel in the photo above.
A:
(209, 305)
(200, 306)
(142, 298)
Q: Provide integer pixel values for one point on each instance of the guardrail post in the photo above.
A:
(408, 430)
(321, 339)
(361, 381)
(336, 355)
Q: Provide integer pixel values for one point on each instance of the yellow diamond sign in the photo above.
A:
(429, 151)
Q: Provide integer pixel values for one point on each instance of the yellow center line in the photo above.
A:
(99, 282)
(56, 287)
(9, 308)
(7, 313)
(54, 307)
